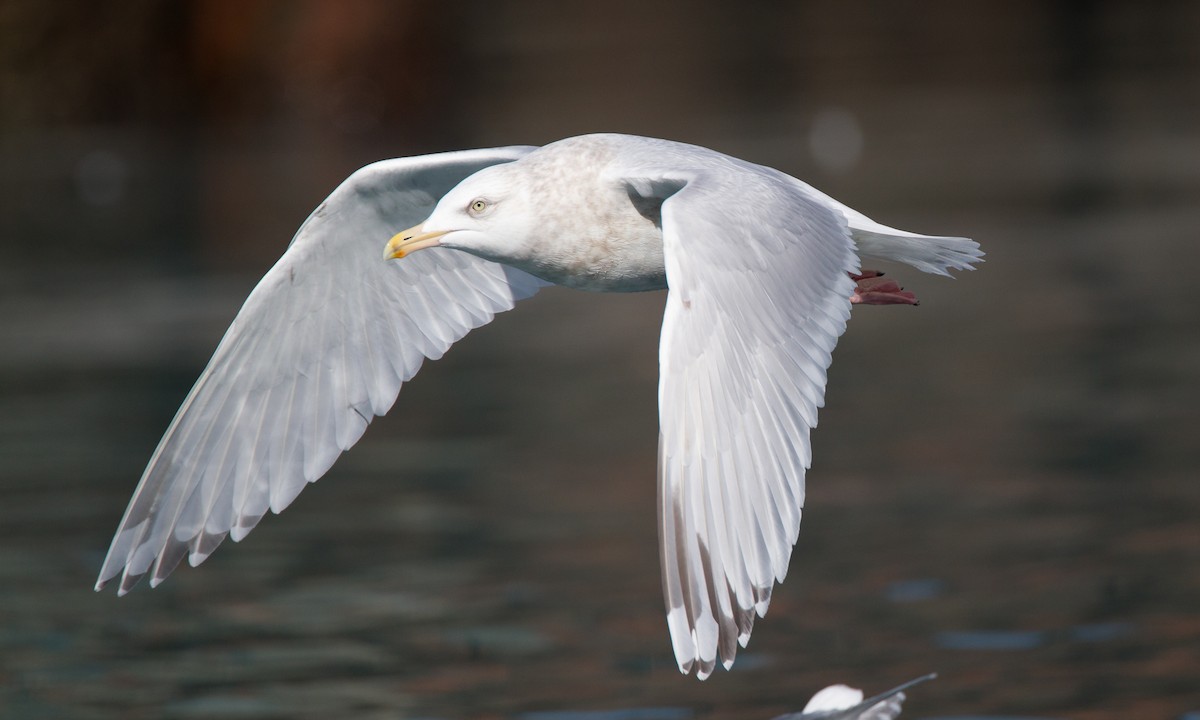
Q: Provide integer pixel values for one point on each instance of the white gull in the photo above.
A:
(761, 270)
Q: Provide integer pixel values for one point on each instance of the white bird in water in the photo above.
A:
(761, 270)
(839, 702)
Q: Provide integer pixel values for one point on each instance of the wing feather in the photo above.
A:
(321, 346)
(759, 294)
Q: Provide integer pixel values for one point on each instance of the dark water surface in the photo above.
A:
(1004, 488)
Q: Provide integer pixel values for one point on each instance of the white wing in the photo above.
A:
(320, 347)
(759, 293)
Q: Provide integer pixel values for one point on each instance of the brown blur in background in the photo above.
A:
(1004, 487)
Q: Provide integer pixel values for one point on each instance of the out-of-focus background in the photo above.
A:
(1004, 489)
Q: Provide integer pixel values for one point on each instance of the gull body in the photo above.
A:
(758, 268)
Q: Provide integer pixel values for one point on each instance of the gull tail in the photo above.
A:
(927, 253)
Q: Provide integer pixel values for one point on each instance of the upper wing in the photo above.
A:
(320, 347)
(759, 293)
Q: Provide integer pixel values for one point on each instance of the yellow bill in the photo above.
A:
(411, 240)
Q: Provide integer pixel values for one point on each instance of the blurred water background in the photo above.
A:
(1005, 485)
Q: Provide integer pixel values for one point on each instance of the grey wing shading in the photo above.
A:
(758, 295)
(321, 346)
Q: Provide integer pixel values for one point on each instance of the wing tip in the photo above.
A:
(107, 576)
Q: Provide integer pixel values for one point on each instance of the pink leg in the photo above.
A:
(873, 289)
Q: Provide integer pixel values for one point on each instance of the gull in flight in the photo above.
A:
(839, 702)
(761, 271)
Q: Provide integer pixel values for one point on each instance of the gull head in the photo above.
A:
(488, 214)
(557, 214)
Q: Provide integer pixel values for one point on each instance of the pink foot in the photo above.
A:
(873, 289)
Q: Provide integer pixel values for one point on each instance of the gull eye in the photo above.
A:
(477, 206)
